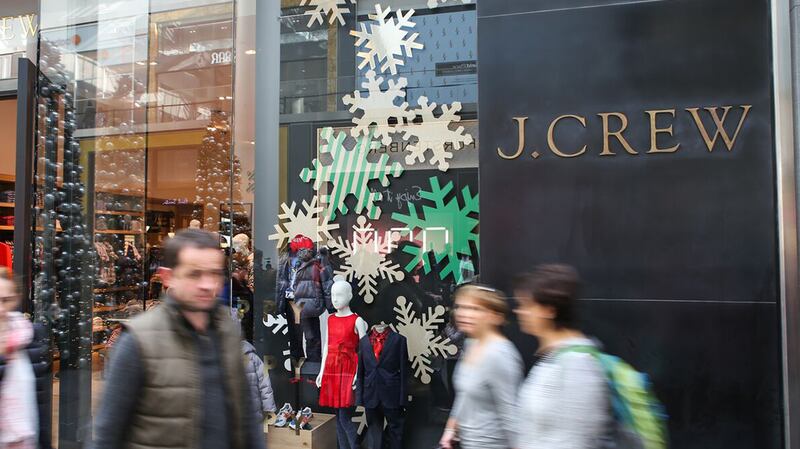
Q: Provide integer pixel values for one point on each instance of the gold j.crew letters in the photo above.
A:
(713, 123)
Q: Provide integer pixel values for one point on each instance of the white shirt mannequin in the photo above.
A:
(341, 295)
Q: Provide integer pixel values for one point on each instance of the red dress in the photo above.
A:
(341, 362)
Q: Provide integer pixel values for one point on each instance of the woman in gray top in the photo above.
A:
(564, 402)
(487, 376)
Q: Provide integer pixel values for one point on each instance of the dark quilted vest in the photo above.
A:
(168, 409)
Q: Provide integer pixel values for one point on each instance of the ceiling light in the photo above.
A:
(221, 98)
(250, 52)
(229, 98)
(153, 63)
(140, 62)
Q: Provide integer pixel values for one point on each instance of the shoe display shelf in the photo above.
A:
(322, 434)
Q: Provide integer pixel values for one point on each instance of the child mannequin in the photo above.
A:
(337, 376)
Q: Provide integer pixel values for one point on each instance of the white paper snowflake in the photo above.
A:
(287, 358)
(420, 332)
(312, 222)
(388, 40)
(379, 107)
(277, 324)
(325, 7)
(437, 3)
(360, 418)
(365, 258)
(434, 134)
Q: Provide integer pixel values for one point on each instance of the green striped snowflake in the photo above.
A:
(349, 173)
(445, 231)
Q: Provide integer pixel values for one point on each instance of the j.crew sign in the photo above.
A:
(713, 123)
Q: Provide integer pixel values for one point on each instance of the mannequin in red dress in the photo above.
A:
(337, 376)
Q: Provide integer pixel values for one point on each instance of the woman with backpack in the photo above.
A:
(19, 420)
(564, 402)
(487, 375)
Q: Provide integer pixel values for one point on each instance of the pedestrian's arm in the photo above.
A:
(124, 379)
(504, 379)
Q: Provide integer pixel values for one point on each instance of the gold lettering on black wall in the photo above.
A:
(29, 25)
(551, 139)
(521, 137)
(616, 134)
(5, 29)
(720, 125)
(655, 131)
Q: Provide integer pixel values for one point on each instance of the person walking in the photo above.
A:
(176, 378)
(19, 414)
(487, 376)
(564, 401)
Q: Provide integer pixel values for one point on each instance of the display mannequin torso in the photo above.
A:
(341, 295)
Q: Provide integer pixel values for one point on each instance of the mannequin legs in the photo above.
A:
(313, 339)
(346, 432)
(308, 329)
(393, 434)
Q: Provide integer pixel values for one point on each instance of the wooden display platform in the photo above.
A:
(321, 436)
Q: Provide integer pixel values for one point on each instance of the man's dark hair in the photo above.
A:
(187, 238)
(556, 286)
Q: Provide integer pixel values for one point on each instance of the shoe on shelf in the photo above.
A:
(285, 415)
(305, 417)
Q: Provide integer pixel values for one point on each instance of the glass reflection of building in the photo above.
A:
(146, 123)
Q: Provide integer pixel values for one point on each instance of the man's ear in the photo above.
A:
(166, 275)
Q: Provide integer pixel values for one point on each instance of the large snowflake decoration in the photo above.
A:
(447, 224)
(437, 3)
(423, 343)
(379, 107)
(313, 223)
(434, 134)
(365, 258)
(325, 7)
(350, 173)
(388, 40)
(278, 325)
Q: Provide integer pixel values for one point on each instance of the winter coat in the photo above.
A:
(312, 287)
(169, 407)
(260, 386)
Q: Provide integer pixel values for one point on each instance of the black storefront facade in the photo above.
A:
(648, 143)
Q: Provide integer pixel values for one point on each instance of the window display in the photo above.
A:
(377, 186)
(386, 192)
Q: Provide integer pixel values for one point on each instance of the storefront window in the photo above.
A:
(148, 123)
(379, 177)
(135, 142)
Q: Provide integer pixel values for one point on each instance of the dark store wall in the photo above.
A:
(677, 246)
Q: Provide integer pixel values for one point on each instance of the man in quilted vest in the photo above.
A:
(176, 378)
